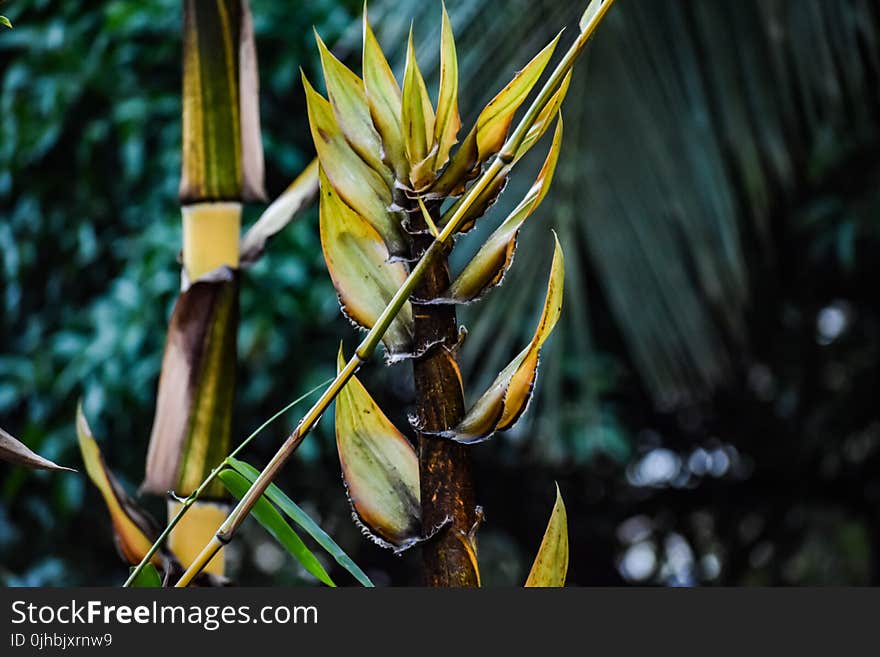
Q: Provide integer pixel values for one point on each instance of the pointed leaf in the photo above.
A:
(16, 452)
(589, 14)
(5, 21)
(296, 198)
(383, 96)
(487, 136)
(347, 97)
(461, 168)
(359, 186)
(487, 268)
(134, 530)
(418, 121)
(448, 122)
(301, 518)
(551, 565)
(545, 118)
(507, 398)
(380, 467)
(494, 121)
(273, 522)
(357, 260)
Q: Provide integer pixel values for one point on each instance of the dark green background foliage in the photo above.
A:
(708, 404)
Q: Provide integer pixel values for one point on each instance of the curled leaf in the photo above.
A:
(494, 121)
(357, 260)
(508, 396)
(487, 268)
(356, 183)
(347, 97)
(379, 466)
(551, 565)
(418, 121)
(298, 196)
(16, 452)
(448, 122)
(134, 530)
(383, 97)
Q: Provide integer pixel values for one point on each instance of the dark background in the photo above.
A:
(708, 403)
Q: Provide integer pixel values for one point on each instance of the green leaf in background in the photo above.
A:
(5, 21)
(273, 522)
(295, 513)
(148, 578)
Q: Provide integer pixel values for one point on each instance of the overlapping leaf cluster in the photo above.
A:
(393, 166)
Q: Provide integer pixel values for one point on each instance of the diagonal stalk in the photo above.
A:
(193, 497)
(368, 345)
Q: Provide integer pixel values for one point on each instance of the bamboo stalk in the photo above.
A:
(445, 472)
(371, 340)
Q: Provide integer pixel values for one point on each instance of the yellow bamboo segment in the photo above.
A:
(210, 237)
(196, 528)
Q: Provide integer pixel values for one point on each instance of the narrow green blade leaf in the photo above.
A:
(148, 578)
(274, 523)
(16, 452)
(301, 518)
(551, 565)
(5, 21)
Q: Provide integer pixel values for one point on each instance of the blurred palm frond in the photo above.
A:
(690, 125)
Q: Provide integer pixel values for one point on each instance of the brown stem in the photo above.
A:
(445, 470)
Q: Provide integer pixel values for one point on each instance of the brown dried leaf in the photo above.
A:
(13, 451)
